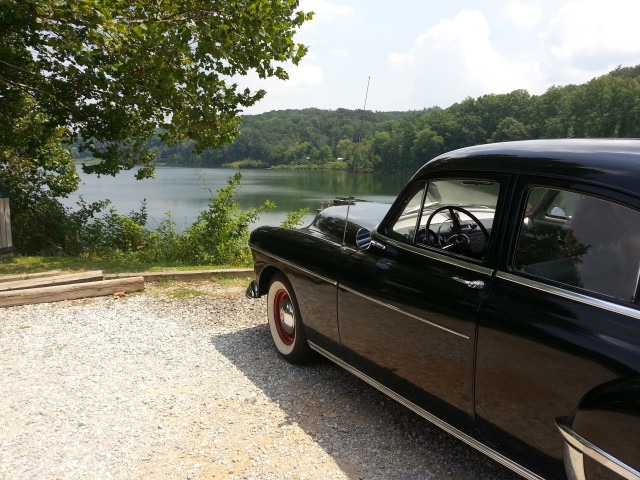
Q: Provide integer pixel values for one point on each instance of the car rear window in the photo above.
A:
(581, 241)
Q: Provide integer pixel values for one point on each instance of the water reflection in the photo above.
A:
(185, 191)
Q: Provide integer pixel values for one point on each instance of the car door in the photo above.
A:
(407, 305)
(560, 325)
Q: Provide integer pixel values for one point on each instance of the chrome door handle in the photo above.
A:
(473, 284)
(377, 244)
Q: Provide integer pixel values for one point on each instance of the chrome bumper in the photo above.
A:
(252, 290)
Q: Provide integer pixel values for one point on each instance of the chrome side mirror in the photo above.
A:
(363, 239)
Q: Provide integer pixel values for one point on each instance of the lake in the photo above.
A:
(185, 191)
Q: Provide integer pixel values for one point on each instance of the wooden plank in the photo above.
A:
(27, 276)
(70, 292)
(187, 275)
(63, 279)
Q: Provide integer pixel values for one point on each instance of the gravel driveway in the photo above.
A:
(147, 386)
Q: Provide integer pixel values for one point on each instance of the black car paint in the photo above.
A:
(497, 364)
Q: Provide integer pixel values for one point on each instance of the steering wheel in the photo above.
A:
(458, 239)
(428, 237)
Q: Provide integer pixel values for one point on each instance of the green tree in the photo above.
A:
(324, 154)
(550, 113)
(298, 153)
(32, 162)
(509, 129)
(112, 73)
(35, 169)
(346, 150)
(607, 106)
(426, 145)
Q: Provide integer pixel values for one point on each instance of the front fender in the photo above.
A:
(605, 428)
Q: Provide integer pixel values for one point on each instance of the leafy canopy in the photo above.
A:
(112, 73)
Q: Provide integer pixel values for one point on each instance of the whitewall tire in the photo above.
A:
(285, 322)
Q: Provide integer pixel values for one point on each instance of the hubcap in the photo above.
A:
(285, 317)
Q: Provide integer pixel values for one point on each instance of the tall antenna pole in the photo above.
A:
(355, 162)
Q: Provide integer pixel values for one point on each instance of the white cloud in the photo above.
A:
(455, 59)
(324, 10)
(304, 80)
(304, 76)
(438, 54)
(586, 31)
(300, 78)
(339, 53)
(523, 15)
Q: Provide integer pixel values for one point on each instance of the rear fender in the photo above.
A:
(264, 279)
(605, 428)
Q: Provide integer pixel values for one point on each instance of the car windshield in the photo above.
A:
(469, 193)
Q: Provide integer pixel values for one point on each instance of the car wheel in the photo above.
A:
(285, 322)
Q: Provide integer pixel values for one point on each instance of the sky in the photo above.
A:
(417, 54)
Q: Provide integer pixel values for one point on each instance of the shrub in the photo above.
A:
(219, 235)
(125, 233)
(248, 163)
(294, 219)
(221, 232)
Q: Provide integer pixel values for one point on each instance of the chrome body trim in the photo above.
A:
(573, 462)
(577, 297)
(472, 284)
(441, 258)
(293, 265)
(498, 457)
(578, 446)
(404, 312)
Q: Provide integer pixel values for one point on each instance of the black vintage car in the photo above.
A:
(497, 298)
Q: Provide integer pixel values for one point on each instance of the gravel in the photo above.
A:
(149, 386)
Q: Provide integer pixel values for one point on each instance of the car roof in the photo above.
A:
(611, 162)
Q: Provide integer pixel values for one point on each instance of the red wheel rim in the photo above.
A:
(284, 317)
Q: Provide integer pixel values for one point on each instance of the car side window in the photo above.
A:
(453, 216)
(580, 240)
(405, 224)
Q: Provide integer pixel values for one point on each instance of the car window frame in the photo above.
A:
(523, 186)
(504, 181)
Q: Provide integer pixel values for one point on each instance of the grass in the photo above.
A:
(168, 288)
(181, 293)
(232, 281)
(191, 289)
(17, 265)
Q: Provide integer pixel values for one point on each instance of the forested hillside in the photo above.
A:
(607, 106)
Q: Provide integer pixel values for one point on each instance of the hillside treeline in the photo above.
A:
(606, 106)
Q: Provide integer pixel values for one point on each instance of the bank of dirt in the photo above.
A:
(150, 386)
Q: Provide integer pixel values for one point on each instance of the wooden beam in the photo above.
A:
(27, 276)
(70, 292)
(187, 275)
(63, 279)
